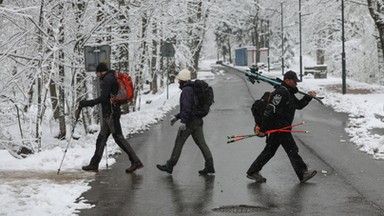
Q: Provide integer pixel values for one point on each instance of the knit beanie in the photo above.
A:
(101, 67)
(184, 75)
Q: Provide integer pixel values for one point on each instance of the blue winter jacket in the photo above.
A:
(187, 102)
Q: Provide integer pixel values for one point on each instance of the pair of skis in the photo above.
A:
(287, 129)
(254, 76)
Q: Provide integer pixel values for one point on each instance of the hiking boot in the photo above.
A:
(165, 168)
(257, 177)
(90, 168)
(134, 167)
(308, 175)
(207, 170)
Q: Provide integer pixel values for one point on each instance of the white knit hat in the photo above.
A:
(184, 75)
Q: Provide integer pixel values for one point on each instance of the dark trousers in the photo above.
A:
(108, 127)
(194, 128)
(272, 144)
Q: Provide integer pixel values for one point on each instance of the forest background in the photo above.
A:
(43, 77)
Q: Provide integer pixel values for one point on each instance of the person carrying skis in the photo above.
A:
(280, 113)
(190, 125)
(111, 121)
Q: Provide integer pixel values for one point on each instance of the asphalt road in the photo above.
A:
(349, 182)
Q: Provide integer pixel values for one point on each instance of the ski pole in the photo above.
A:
(77, 114)
(283, 129)
(287, 131)
(269, 131)
(291, 126)
(235, 140)
(241, 137)
(106, 155)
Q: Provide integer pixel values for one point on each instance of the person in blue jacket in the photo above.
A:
(190, 124)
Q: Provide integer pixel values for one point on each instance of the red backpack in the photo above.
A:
(125, 90)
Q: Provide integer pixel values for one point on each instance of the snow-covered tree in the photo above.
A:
(376, 9)
(42, 48)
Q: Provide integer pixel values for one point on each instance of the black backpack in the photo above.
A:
(259, 106)
(204, 98)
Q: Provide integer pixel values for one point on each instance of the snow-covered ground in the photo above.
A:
(365, 105)
(31, 186)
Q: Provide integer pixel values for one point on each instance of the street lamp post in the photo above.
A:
(301, 46)
(266, 40)
(343, 72)
(282, 40)
(268, 46)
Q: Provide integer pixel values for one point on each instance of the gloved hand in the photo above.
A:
(183, 127)
(173, 120)
(83, 103)
(312, 93)
(260, 134)
(256, 129)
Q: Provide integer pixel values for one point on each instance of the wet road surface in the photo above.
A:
(348, 182)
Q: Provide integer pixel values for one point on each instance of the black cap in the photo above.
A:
(101, 67)
(291, 75)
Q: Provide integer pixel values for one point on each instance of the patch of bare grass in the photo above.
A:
(337, 88)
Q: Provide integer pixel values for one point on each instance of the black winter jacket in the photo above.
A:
(108, 87)
(281, 109)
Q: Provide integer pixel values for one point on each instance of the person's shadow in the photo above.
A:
(290, 200)
(189, 200)
(262, 195)
(298, 194)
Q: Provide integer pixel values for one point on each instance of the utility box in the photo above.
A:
(245, 56)
(318, 71)
(263, 55)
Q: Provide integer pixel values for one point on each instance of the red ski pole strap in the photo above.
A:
(284, 129)
(235, 138)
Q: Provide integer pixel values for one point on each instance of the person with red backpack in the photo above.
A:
(110, 122)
